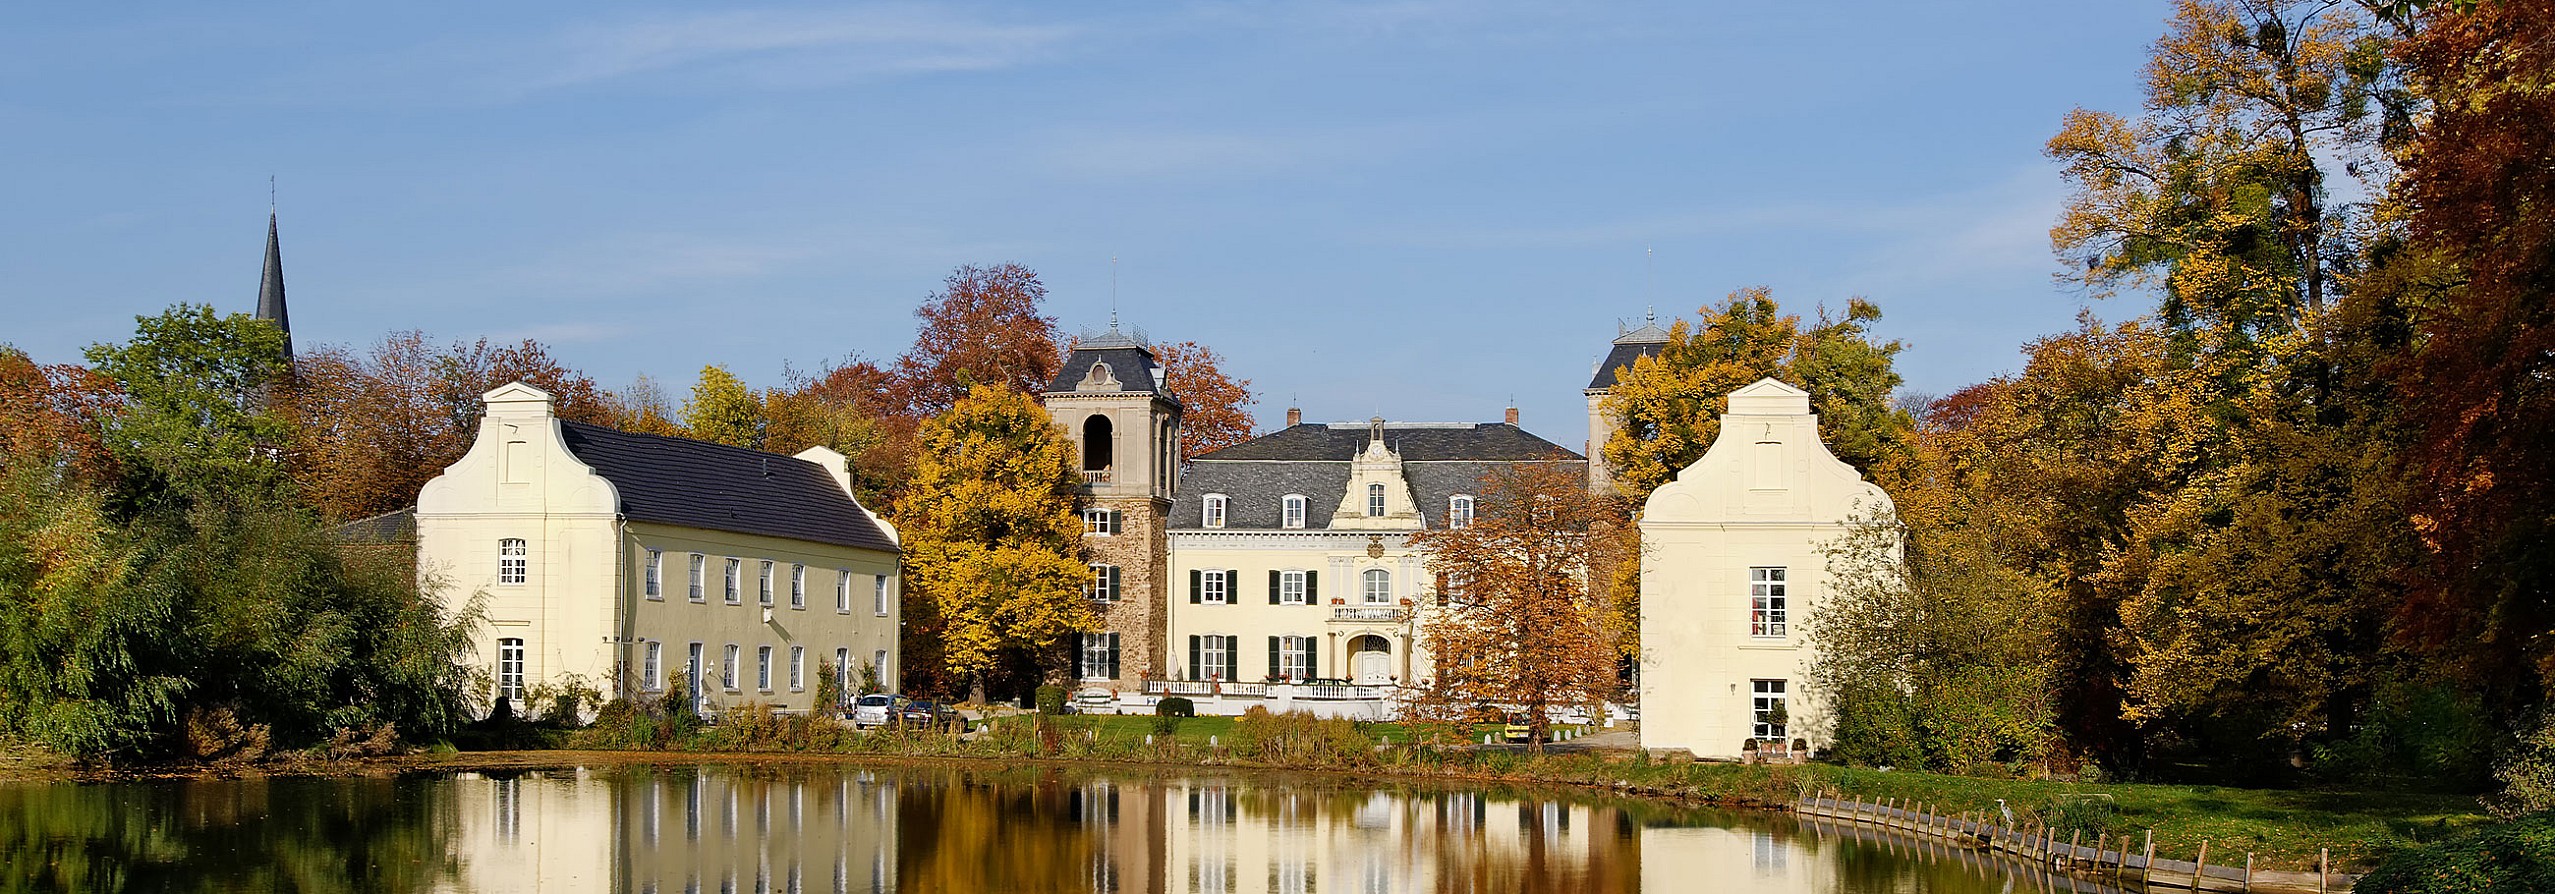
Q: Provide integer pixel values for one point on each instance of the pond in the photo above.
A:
(830, 827)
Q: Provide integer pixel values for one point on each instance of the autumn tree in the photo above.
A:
(2250, 559)
(2479, 181)
(992, 535)
(836, 407)
(985, 327)
(721, 409)
(1521, 622)
(371, 428)
(53, 415)
(1667, 408)
(1215, 409)
(198, 416)
(642, 407)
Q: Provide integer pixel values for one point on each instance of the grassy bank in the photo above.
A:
(2283, 828)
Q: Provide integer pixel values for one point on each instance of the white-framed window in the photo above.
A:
(1291, 588)
(763, 583)
(798, 586)
(1103, 522)
(727, 667)
(1215, 656)
(510, 670)
(1294, 511)
(1104, 582)
(699, 565)
(514, 561)
(1215, 587)
(652, 667)
(878, 596)
(735, 581)
(656, 575)
(847, 679)
(878, 660)
(1213, 511)
(1379, 586)
(1099, 656)
(842, 591)
(693, 666)
(1459, 511)
(1767, 614)
(1765, 706)
(1294, 657)
(1375, 500)
(763, 668)
(798, 668)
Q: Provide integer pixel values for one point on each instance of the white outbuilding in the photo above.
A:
(1732, 568)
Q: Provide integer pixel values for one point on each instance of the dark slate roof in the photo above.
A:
(1438, 461)
(389, 527)
(1133, 367)
(680, 481)
(1622, 356)
(270, 287)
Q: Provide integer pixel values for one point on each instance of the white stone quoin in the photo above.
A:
(1732, 571)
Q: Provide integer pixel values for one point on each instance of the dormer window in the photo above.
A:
(1375, 501)
(1459, 511)
(1294, 510)
(1212, 511)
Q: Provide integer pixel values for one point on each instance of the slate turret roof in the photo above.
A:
(1630, 345)
(698, 484)
(270, 287)
(1439, 460)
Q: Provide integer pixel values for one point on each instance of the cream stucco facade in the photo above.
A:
(575, 588)
(1732, 571)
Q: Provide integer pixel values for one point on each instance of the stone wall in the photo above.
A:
(1140, 616)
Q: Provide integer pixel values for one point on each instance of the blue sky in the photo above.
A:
(1424, 209)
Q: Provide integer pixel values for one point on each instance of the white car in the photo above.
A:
(877, 709)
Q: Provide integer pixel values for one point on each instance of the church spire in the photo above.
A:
(270, 287)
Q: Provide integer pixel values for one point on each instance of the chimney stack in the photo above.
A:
(1294, 417)
(1512, 415)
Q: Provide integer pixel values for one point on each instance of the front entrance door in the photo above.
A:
(1371, 660)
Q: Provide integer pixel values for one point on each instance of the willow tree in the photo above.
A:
(992, 533)
(1519, 621)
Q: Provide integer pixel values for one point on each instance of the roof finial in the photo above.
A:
(270, 195)
(1652, 317)
(1113, 293)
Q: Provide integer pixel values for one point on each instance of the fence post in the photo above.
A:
(2147, 864)
(2200, 867)
(2248, 872)
(2323, 861)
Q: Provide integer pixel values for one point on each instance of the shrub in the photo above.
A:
(1051, 699)
(2507, 858)
(2092, 815)
(1175, 706)
(1165, 726)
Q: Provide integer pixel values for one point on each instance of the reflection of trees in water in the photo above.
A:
(356, 835)
(964, 832)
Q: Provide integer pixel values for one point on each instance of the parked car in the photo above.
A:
(927, 714)
(875, 709)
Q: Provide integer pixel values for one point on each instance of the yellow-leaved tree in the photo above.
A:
(992, 536)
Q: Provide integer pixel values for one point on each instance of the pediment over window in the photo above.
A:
(1101, 378)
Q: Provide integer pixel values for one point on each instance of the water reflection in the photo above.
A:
(813, 827)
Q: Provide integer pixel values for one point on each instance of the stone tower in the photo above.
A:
(1630, 345)
(1125, 428)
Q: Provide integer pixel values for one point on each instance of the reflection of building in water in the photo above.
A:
(1246, 840)
(1672, 859)
(677, 830)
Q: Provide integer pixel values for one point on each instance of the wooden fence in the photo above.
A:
(2131, 864)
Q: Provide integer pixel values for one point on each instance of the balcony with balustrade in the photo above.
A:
(1369, 614)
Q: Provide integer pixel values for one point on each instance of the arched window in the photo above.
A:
(1379, 586)
(1459, 511)
(1099, 447)
(1375, 501)
(1212, 511)
(1295, 510)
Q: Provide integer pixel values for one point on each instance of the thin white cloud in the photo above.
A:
(799, 47)
(1154, 152)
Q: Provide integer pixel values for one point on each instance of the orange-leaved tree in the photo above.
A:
(1215, 409)
(983, 328)
(1522, 617)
